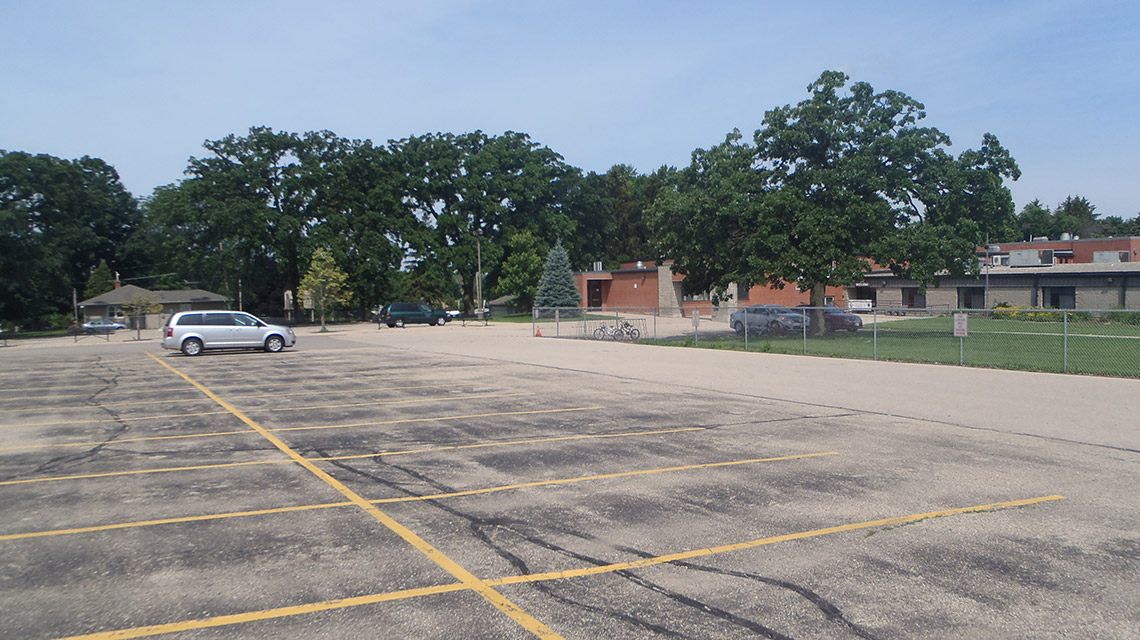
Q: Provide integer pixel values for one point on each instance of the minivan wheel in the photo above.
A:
(273, 344)
(439, 322)
(192, 347)
(400, 323)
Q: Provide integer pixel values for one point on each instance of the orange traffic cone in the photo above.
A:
(538, 333)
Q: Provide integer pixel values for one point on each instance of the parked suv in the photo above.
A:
(398, 314)
(767, 319)
(193, 331)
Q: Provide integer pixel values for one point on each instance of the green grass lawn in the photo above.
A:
(1092, 347)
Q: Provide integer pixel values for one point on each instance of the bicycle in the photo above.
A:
(606, 330)
(631, 331)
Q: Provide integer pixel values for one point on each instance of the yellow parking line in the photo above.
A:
(310, 408)
(522, 618)
(118, 441)
(587, 436)
(477, 396)
(697, 553)
(176, 401)
(178, 520)
(337, 426)
(307, 384)
(67, 422)
(434, 496)
(440, 419)
(354, 456)
(281, 612)
(268, 614)
(603, 476)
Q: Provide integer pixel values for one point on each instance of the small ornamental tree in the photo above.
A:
(325, 282)
(138, 306)
(557, 288)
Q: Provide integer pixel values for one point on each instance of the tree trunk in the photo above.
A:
(818, 321)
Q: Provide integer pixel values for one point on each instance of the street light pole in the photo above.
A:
(990, 250)
(479, 274)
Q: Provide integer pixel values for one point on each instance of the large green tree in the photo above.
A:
(58, 220)
(831, 183)
(470, 191)
(1075, 215)
(253, 211)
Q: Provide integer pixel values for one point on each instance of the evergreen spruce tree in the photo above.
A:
(557, 288)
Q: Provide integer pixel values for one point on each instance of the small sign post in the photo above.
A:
(696, 324)
(961, 325)
(961, 330)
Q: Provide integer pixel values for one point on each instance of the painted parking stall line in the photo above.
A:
(522, 618)
(434, 496)
(282, 612)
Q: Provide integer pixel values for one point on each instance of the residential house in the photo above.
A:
(110, 305)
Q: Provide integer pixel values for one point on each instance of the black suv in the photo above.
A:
(398, 314)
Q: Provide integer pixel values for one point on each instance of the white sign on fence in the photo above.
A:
(960, 325)
(696, 318)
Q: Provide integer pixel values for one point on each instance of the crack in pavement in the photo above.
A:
(479, 528)
(64, 461)
(829, 609)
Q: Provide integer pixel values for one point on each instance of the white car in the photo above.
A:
(103, 325)
(191, 332)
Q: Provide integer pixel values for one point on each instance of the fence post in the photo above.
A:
(1065, 343)
(533, 315)
(805, 333)
(875, 333)
(557, 323)
(656, 312)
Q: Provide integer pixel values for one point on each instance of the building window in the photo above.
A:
(743, 293)
(696, 297)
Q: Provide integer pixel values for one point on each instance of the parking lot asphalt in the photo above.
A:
(477, 482)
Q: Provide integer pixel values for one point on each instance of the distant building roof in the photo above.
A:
(124, 293)
(1073, 268)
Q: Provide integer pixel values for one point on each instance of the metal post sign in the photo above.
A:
(696, 318)
(961, 323)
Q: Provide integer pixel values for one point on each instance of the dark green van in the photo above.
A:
(398, 314)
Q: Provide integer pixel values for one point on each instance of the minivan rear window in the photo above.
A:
(190, 319)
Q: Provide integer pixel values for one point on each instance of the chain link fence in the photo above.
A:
(1098, 342)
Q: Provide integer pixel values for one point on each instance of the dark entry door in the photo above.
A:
(594, 294)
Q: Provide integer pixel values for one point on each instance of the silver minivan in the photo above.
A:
(193, 331)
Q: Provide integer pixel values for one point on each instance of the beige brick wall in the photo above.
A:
(942, 297)
(889, 297)
(668, 295)
(1098, 298)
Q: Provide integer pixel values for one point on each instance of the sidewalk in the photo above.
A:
(1086, 409)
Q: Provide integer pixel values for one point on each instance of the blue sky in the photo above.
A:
(143, 84)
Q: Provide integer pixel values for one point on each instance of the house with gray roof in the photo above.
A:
(110, 305)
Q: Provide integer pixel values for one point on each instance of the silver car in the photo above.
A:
(193, 331)
(767, 319)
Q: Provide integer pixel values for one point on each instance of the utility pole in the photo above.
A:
(479, 274)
